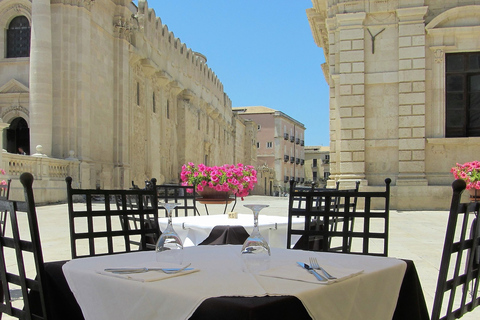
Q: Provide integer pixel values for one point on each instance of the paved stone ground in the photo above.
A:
(415, 235)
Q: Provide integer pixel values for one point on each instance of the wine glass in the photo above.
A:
(169, 246)
(255, 250)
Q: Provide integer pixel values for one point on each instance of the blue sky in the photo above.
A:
(262, 51)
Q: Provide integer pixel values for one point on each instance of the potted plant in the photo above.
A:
(235, 179)
(470, 172)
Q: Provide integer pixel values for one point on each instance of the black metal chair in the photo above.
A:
(19, 253)
(181, 195)
(4, 195)
(459, 275)
(98, 226)
(370, 210)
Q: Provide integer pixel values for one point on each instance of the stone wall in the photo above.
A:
(385, 68)
(127, 97)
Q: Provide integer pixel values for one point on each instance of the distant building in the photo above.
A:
(280, 148)
(317, 165)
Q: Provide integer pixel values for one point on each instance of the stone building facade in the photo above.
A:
(317, 165)
(106, 83)
(280, 148)
(403, 78)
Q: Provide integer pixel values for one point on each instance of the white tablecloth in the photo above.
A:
(193, 230)
(371, 294)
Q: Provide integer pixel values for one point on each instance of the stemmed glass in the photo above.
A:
(255, 250)
(169, 246)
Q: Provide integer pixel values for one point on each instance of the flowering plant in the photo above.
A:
(470, 172)
(3, 182)
(239, 179)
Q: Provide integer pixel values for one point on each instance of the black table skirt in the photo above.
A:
(411, 303)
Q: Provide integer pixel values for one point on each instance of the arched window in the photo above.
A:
(18, 38)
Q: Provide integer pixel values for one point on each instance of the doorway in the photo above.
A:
(18, 136)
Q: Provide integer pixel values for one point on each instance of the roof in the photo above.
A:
(254, 109)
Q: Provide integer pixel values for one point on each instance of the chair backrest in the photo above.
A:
(21, 254)
(459, 275)
(102, 222)
(369, 234)
(184, 195)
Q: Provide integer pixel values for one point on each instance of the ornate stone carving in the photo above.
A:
(438, 55)
(16, 109)
(87, 4)
(123, 28)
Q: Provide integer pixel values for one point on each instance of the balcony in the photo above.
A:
(292, 138)
(286, 178)
(302, 142)
(326, 161)
(297, 161)
(286, 158)
(292, 159)
(285, 136)
(297, 141)
(302, 162)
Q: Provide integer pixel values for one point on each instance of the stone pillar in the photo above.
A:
(411, 97)
(3, 125)
(349, 118)
(41, 94)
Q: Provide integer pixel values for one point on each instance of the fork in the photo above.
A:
(315, 265)
(142, 270)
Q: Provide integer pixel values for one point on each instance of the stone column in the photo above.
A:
(41, 94)
(3, 125)
(411, 113)
(349, 117)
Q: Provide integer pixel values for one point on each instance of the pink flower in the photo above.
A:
(470, 172)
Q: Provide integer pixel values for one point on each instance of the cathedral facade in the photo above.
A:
(106, 84)
(404, 93)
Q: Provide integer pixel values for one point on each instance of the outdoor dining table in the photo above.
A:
(195, 229)
(368, 287)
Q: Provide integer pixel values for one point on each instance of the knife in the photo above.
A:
(142, 270)
(312, 271)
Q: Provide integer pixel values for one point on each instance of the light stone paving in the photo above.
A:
(415, 235)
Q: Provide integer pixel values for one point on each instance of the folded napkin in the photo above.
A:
(297, 273)
(149, 276)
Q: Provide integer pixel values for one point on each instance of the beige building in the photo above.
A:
(280, 148)
(317, 165)
(404, 82)
(108, 87)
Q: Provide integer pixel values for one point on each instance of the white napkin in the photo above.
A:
(146, 276)
(297, 273)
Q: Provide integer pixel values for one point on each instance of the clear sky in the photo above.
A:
(261, 50)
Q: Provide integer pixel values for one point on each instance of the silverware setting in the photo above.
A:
(315, 265)
(312, 271)
(143, 270)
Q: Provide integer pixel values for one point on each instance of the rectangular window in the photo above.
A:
(269, 145)
(314, 163)
(138, 93)
(153, 103)
(258, 145)
(462, 95)
(168, 109)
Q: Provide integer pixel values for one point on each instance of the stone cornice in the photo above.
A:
(411, 15)
(87, 4)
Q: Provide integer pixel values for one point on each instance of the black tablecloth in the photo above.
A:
(411, 303)
(226, 235)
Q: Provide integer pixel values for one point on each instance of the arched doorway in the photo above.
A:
(18, 136)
